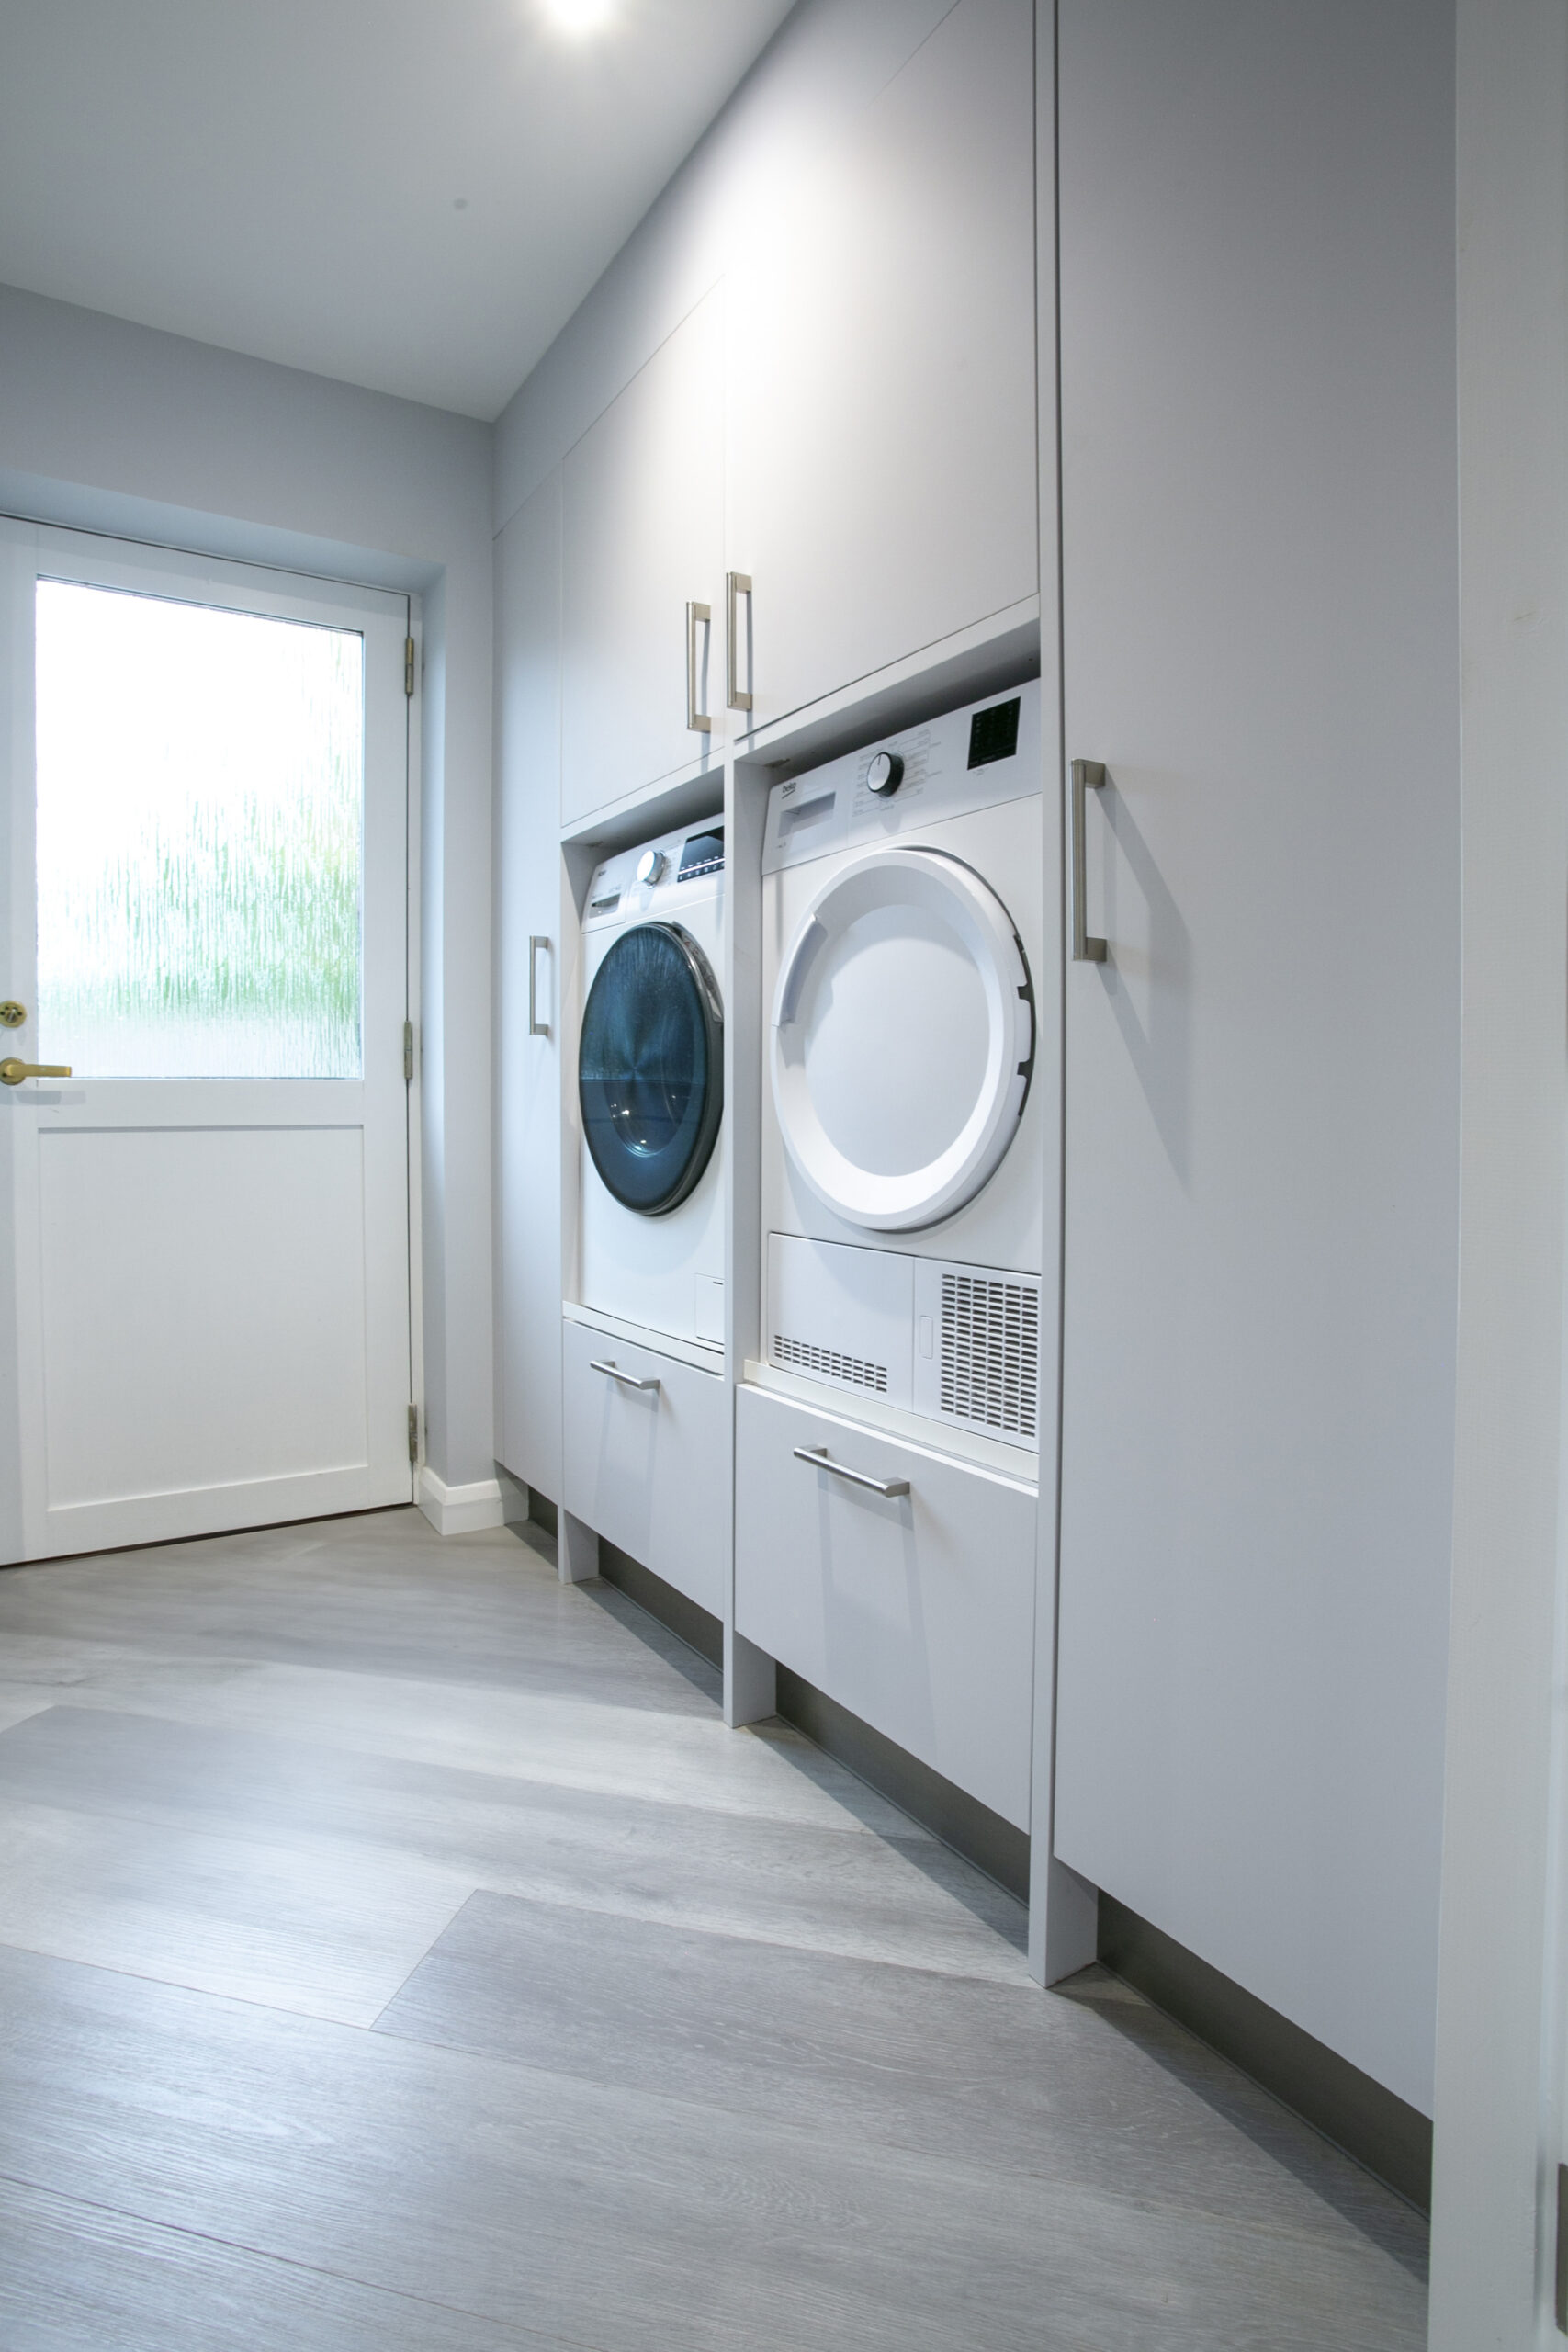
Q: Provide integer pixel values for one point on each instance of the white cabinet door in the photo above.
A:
(644, 537)
(916, 1610)
(530, 937)
(645, 1436)
(1261, 645)
(882, 472)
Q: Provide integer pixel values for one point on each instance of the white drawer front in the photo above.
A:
(916, 1610)
(649, 1467)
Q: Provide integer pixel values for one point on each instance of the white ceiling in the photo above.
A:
(282, 177)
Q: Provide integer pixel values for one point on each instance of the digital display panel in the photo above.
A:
(703, 853)
(993, 734)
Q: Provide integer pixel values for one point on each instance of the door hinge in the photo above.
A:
(408, 666)
(414, 1432)
(408, 1053)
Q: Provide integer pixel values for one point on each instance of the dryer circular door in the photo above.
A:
(903, 1038)
(650, 1067)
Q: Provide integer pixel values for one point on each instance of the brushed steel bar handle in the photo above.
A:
(1088, 775)
(13, 1072)
(614, 1371)
(818, 1458)
(736, 585)
(698, 721)
(536, 1028)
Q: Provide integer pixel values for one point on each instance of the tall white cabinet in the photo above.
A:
(642, 547)
(881, 428)
(832, 396)
(1262, 1215)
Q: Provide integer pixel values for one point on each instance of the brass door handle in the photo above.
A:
(13, 1072)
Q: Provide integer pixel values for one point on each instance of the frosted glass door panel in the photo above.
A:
(200, 829)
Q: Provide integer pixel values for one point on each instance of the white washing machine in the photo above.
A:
(904, 1124)
(651, 1087)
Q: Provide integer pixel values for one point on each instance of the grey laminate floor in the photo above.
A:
(398, 1955)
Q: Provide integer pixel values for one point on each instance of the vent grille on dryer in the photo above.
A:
(827, 1363)
(991, 1353)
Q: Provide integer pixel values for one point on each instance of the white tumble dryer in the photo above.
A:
(651, 1087)
(904, 1124)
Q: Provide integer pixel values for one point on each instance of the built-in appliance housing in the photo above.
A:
(903, 1129)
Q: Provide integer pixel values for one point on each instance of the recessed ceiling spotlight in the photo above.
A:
(580, 16)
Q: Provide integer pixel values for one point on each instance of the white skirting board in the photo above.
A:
(460, 1510)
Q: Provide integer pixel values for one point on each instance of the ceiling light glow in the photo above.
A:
(580, 16)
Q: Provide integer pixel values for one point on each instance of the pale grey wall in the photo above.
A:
(112, 428)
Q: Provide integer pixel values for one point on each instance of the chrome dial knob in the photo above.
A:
(650, 864)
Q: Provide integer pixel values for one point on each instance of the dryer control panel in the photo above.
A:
(974, 758)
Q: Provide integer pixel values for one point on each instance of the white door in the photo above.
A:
(881, 478)
(1262, 1085)
(642, 575)
(903, 1032)
(204, 1272)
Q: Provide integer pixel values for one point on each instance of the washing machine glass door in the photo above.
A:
(650, 1067)
(903, 1038)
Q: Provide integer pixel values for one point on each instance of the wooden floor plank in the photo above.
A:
(620, 2219)
(299, 1924)
(380, 1594)
(834, 1889)
(77, 2278)
(555, 1734)
(990, 2075)
(17, 1704)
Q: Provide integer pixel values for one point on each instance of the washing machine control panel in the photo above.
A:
(972, 758)
(656, 879)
